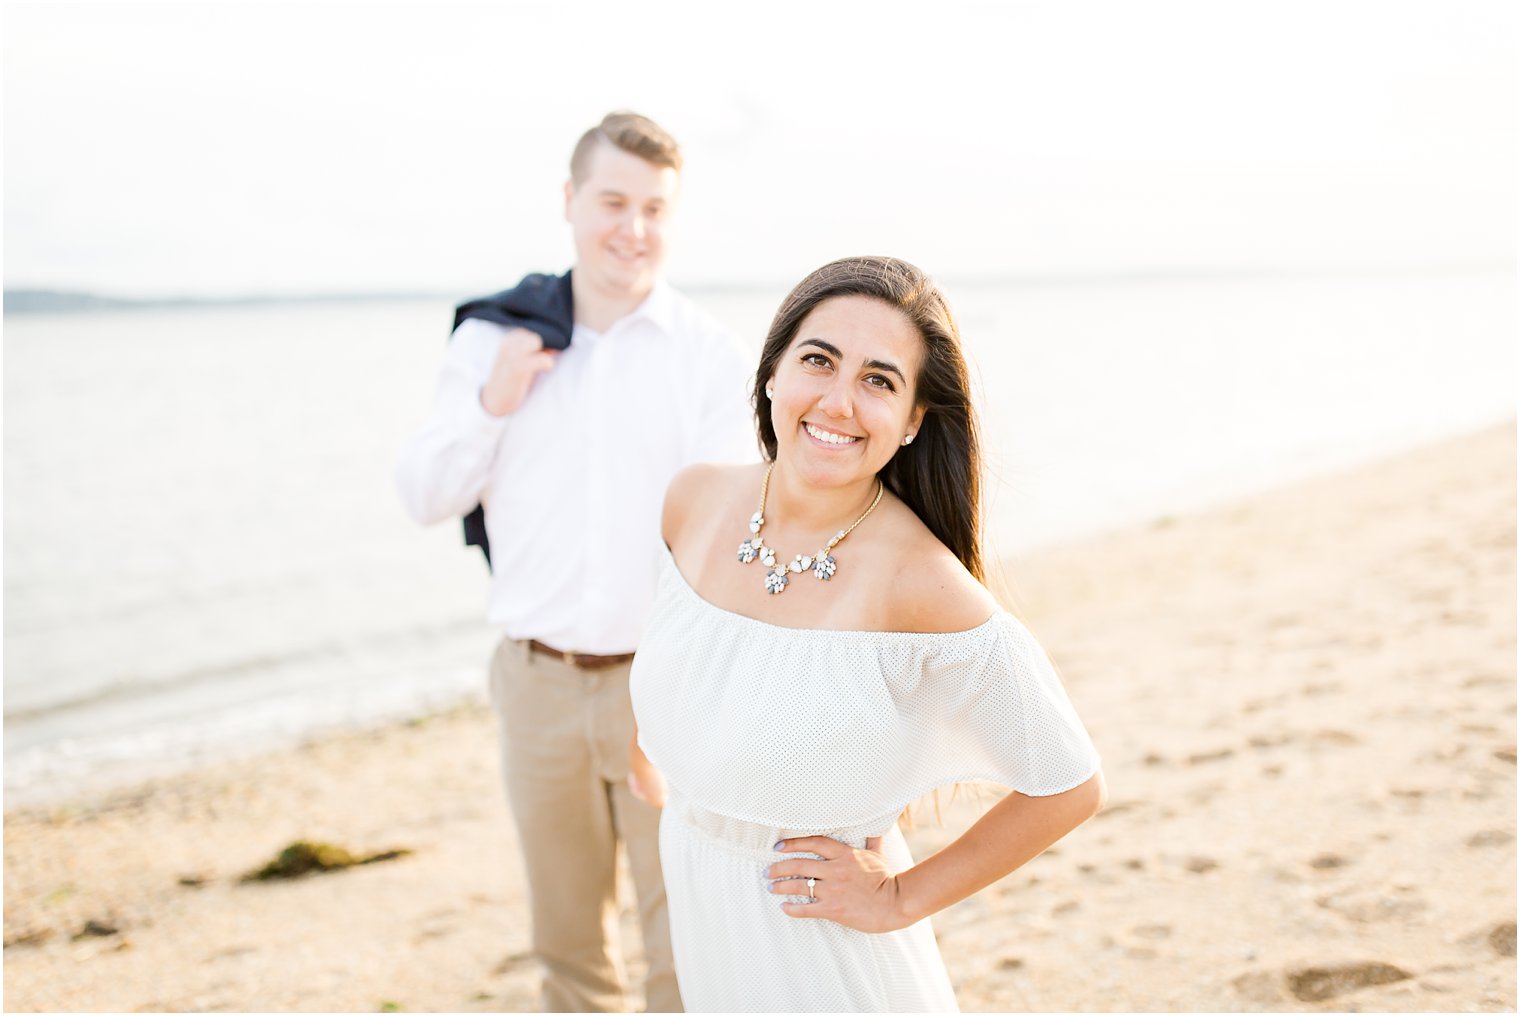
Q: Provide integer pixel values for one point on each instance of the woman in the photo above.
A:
(823, 652)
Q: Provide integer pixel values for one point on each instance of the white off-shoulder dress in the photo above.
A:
(766, 732)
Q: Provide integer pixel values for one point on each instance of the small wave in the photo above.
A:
(144, 686)
(160, 745)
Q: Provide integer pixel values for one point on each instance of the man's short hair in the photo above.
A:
(634, 134)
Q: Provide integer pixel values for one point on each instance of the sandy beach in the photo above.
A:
(1306, 707)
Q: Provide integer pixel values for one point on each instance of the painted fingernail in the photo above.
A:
(779, 844)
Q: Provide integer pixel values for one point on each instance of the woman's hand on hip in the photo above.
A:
(851, 885)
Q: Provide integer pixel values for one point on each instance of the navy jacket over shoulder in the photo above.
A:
(540, 303)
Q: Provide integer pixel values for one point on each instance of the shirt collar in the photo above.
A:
(658, 308)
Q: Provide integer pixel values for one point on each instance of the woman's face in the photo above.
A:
(843, 390)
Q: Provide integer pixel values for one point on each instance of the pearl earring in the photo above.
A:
(908, 440)
(770, 392)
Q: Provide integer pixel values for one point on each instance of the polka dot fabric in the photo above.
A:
(765, 732)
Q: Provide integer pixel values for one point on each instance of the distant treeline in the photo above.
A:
(32, 301)
(53, 301)
(36, 301)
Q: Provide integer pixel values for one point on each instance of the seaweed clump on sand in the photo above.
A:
(304, 857)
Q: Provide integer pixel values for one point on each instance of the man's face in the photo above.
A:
(619, 214)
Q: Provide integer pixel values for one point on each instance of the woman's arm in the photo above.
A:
(856, 888)
(644, 780)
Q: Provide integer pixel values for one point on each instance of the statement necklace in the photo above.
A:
(822, 563)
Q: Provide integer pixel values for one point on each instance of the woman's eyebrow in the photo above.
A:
(884, 365)
(827, 347)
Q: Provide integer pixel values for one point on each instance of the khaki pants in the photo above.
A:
(564, 752)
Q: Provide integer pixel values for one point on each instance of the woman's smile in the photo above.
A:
(829, 438)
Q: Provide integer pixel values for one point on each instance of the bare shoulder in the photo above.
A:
(703, 491)
(932, 590)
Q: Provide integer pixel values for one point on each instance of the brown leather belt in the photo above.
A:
(585, 661)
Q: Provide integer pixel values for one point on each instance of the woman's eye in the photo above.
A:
(879, 381)
(816, 360)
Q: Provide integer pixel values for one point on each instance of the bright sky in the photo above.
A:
(216, 148)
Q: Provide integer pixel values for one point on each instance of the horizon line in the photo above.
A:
(41, 299)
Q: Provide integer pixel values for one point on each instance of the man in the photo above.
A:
(569, 452)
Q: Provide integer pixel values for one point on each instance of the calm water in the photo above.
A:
(203, 552)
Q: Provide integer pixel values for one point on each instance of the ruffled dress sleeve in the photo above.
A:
(993, 707)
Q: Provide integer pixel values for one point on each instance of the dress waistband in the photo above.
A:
(752, 838)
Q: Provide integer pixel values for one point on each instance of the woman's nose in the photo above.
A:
(837, 401)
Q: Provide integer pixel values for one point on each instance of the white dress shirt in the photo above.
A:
(573, 481)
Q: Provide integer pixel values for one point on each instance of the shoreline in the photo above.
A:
(1305, 701)
(71, 774)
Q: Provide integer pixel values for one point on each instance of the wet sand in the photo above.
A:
(1306, 706)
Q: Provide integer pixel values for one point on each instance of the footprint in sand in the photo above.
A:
(1490, 838)
(1260, 986)
(233, 952)
(1369, 906)
(96, 929)
(1316, 983)
(1317, 689)
(1410, 799)
(27, 936)
(513, 962)
(1152, 931)
(1505, 754)
(1119, 808)
(1502, 938)
(1200, 865)
(1261, 741)
(1257, 705)
(1328, 862)
(1333, 739)
(1209, 756)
